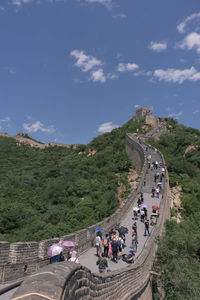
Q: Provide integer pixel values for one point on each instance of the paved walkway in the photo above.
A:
(88, 259)
(7, 295)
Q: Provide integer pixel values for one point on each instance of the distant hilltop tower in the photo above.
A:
(146, 113)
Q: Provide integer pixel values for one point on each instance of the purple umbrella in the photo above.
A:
(55, 249)
(69, 244)
(144, 206)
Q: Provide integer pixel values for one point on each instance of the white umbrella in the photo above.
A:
(136, 208)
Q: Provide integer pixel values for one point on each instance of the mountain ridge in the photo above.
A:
(22, 138)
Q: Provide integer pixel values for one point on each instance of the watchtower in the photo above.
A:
(143, 112)
(146, 113)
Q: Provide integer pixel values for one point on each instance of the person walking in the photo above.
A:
(124, 240)
(134, 241)
(106, 245)
(98, 241)
(115, 249)
(145, 212)
(135, 214)
(74, 258)
(146, 227)
(142, 215)
(139, 202)
(134, 227)
(157, 192)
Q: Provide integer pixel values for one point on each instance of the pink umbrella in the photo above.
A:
(54, 249)
(70, 244)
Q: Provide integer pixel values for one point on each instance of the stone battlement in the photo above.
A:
(146, 113)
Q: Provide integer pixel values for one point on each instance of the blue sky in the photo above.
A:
(73, 69)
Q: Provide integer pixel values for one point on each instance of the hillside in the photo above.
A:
(57, 190)
(178, 255)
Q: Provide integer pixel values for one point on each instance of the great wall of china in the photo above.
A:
(22, 138)
(71, 281)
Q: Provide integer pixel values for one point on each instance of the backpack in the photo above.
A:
(103, 264)
(105, 242)
(146, 224)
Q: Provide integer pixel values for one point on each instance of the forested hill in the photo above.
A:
(178, 255)
(57, 190)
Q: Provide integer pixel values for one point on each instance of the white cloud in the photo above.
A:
(107, 3)
(181, 27)
(11, 70)
(2, 9)
(98, 75)
(131, 67)
(85, 62)
(107, 127)
(148, 73)
(195, 112)
(176, 75)
(5, 120)
(158, 47)
(112, 76)
(90, 63)
(194, 17)
(20, 2)
(38, 126)
(191, 41)
(137, 106)
(175, 115)
(121, 16)
(142, 73)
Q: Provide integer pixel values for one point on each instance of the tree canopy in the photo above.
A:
(57, 190)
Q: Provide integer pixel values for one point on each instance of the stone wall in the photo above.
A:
(156, 132)
(18, 260)
(151, 120)
(135, 151)
(71, 281)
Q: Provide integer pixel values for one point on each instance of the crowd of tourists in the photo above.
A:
(110, 246)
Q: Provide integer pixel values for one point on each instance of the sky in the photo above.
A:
(73, 69)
